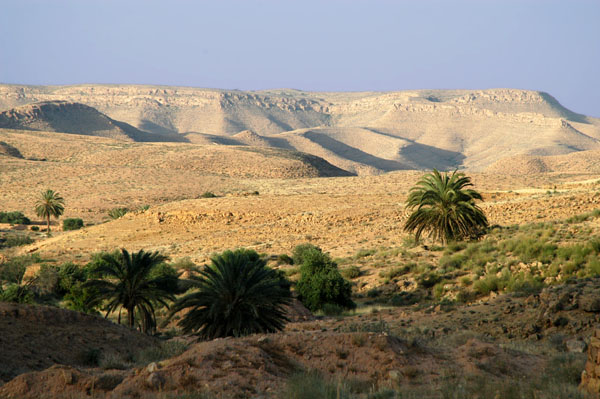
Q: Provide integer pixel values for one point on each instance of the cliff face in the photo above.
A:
(369, 132)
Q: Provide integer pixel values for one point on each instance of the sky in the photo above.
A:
(313, 45)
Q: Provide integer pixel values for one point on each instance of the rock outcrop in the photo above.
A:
(590, 378)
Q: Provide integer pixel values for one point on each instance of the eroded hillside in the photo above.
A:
(364, 133)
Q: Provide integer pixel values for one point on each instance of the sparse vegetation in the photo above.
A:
(15, 240)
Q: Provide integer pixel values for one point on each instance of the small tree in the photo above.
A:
(128, 281)
(50, 204)
(320, 281)
(442, 207)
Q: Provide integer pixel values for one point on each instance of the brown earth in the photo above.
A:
(37, 337)
(389, 347)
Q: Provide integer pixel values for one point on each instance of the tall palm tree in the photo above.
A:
(127, 282)
(444, 208)
(237, 295)
(50, 204)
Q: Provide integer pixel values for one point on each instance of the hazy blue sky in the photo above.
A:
(546, 45)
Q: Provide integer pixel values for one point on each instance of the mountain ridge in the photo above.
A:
(362, 132)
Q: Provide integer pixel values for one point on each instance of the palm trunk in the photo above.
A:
(130, 316)
(48, 229)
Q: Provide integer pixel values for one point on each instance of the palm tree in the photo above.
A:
(130, 282)
(237, 295)
(444, 208)
(50, 204)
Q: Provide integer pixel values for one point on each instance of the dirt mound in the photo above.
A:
(9, 150)
(575, 162)
(249, 137)
(37, 337)
(61, 381)
(259, 365)
(75, 118)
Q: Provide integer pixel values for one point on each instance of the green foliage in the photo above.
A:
(351, 272)
(14, 218)
(363, 253)
(16, 293)
(117, 213)
(13, 270)
(69, 274)
(236, 295)
(72, 224)
(15, 240)
(285, 259)
(208, 194)
(321, 282)
(488, 284)
(126, 281)
(50, 204)
(46, 280)
(35, 228)
(300, 250)
(443, 208)
(405, 298)
(428, 279)
(81, 299)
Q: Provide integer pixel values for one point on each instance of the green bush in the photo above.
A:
(35, 228)
(70, 274)
(117, 213)
(320, 281)
(428, 280)
(72, 224)
(14, 270)
(13, 218)
(405, 298)
(208, 194)
(351, 272)
(16, 293)
(285, 259)
(300, 250)
(81, 298)
(47, 279)
(15, 240)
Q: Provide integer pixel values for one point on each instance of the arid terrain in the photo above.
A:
(203, 171)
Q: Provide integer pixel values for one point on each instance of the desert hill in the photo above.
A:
(75, 118)
(366, 133)
(584, 161)
(97, 174)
